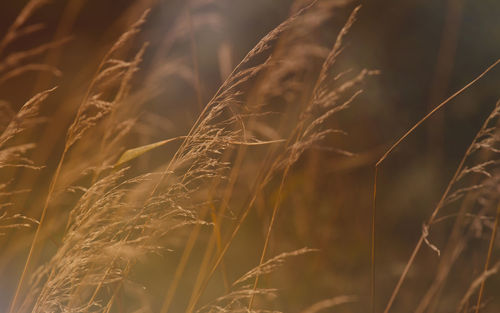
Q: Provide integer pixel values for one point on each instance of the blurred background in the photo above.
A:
(425, 51)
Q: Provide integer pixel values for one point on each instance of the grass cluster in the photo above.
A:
(124, 196)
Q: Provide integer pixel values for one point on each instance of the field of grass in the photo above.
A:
(249, 156)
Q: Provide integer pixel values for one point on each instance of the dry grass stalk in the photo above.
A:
(488, 259)
(92, 109)
(14, 64)
(14, 153)
(196, 161)
(238, 79)
(438, 207)
(325, 100)
(477, 283)
(16, 156)
(18, 28)
(120, 215)
(294, 151)
(329, 303)
(271, 265)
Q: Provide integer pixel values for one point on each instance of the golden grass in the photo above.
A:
(127, 185)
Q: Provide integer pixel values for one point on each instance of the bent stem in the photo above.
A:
(441, 201)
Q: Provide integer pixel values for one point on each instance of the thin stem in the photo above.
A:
(260, 183)
(372, 258)
(180, 268)
(453, 96)
(488, 258)
(448, 188)
(37, 232)
(269, 229)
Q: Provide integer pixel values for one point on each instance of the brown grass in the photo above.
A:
(127, 186)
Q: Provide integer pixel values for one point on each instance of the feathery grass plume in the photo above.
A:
(109, 86)
(14, 63)
(18, 29)
(9, 221)
(197, 161)
(116, 116)
(476, 284)
(166, 61)
(329, 303)
(466, 227)
(105, 113)
(476, 182)
(271, 265)
(178, 192)
(307, 133)
(13, 151)
(164, 64)
(297, 49)
(301, 138)
(118, 204)
(112, 74)
(245, 71)
(331, 94)
(486, 142)
(147, 219)
(245, 114)
(14, 221)
(108, 228)
(326, 100)
(14, 156)
(439, 205)
(235, 302)
(221, 120)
